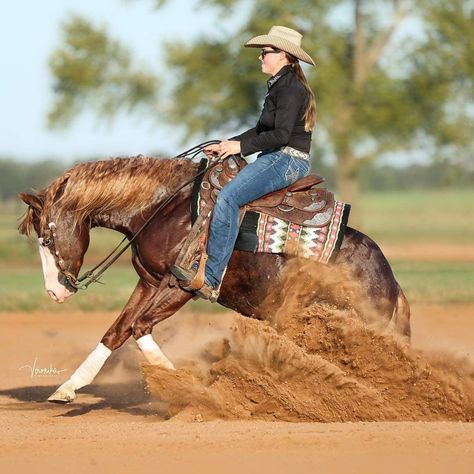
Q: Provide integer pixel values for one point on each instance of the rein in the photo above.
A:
(93, 275)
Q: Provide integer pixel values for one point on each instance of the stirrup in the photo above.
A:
(184, 276)
(190, 279)
(187, 276)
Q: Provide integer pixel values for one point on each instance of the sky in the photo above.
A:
(30, 30)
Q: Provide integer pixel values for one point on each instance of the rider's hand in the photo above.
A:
(211, 151)
(229, 147)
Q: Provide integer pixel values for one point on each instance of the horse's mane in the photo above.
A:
(94, 188)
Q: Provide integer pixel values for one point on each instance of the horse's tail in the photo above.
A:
(401, 315)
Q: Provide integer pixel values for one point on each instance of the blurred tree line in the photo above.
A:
(437, 175)
(17, 176)
(381, 89)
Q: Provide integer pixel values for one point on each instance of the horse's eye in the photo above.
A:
(47, 242)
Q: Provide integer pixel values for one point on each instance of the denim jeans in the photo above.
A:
(269, 172)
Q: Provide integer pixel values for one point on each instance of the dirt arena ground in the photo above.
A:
(129, 422)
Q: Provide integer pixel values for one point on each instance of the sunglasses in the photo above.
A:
(264, 52)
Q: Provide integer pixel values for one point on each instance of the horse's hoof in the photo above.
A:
(64, 394)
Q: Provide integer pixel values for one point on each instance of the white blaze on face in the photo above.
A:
(55, 290)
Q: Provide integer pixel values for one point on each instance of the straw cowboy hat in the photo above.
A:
(283, 38)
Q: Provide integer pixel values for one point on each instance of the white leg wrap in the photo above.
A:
(86, 372)
(153, 353)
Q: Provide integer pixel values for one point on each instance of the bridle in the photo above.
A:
(49, 241)
(94, 274)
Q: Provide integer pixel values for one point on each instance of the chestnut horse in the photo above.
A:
(121, 194)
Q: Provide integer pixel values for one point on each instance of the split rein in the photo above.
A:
(93, 276)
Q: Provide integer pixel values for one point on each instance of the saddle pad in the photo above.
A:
(260, 232)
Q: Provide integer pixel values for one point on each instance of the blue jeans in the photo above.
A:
(270, 172)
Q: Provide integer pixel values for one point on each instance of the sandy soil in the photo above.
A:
(119, 425)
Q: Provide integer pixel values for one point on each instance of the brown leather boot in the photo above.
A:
(186, 275)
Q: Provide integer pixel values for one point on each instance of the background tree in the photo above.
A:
(379, 89)
(91, 70)
(18, 176)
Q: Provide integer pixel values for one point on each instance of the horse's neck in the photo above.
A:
(114, 220)
(129, 222)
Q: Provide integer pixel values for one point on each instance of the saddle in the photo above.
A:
(300, 203)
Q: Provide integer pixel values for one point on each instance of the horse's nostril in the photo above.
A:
(52, 295)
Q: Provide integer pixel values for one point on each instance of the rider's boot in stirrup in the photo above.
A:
(186, 276)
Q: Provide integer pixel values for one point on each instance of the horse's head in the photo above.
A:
(62, 244)
(63, 213)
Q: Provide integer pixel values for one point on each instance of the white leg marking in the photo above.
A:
(153, 353)
(83, 375)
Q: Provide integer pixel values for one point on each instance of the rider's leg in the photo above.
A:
(270, 172)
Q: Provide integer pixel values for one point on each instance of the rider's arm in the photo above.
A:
(251, 132)
(288, 108)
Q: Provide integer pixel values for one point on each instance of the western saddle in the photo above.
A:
(300, 203)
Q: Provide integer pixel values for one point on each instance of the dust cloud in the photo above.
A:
(333, 369)
(311, 362)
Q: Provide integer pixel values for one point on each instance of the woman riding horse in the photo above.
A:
(282, 135)
(104, 194)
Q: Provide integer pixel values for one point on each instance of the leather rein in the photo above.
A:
(94, 274)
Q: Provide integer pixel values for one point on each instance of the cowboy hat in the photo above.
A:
(282, 38)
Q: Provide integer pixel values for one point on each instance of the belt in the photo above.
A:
(294, 152)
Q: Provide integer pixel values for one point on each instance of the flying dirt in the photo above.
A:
(323, 363)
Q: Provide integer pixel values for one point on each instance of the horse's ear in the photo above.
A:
(32, 200)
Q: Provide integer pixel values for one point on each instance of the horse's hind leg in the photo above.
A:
(115, 336)
(401, 315)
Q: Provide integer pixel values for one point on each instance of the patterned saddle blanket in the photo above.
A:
(299, 220)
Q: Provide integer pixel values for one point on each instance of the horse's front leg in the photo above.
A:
(170, 300)
(148, 305)
(164, 304)
(115, 336)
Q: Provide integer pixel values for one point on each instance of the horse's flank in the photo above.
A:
(99, 187)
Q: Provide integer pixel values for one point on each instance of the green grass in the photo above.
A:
(22, 289)
(432, 282)
(435, 216)
(443, 216)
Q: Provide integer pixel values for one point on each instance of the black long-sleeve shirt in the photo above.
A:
(281, 122)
